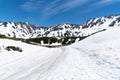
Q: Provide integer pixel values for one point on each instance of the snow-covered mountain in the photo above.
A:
(26, 30)
(97, 24)
(94, 58)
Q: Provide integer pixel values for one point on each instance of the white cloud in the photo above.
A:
(53, 7)
(106, 2)
(102, 3)
(31, 5)
(57, 6)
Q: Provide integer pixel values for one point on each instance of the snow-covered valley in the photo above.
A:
(94, 58)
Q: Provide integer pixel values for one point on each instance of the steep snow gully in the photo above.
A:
(95, 58)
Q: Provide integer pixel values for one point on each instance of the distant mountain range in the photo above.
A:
(27, 30)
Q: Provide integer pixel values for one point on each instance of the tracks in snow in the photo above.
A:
(65, 63)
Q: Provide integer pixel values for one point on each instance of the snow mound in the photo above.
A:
(95, 58)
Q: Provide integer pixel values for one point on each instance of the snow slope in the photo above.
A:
(95, 58)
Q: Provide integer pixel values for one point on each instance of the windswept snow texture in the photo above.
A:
(94, 58)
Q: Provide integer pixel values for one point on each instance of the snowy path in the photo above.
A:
(15, 66)
(52, 64)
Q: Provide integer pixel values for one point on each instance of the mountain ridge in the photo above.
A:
(27, 30)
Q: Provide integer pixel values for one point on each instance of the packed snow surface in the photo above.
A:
(94, 58)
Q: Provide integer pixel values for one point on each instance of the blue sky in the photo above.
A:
(52, 12)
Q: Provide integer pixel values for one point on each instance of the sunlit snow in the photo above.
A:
(94, 58)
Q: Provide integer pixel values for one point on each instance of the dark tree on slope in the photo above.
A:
(58, 34)
(14, 35)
